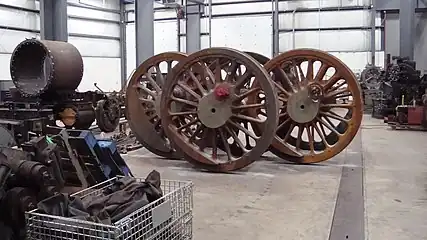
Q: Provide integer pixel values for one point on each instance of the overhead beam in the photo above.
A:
(53, 20)
(144, 30)
(193, 28)
(407, 28)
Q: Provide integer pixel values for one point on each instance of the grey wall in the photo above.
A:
(252, 29)
(392, 36)
(101, 56)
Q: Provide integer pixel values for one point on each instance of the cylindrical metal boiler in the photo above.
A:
(37, 67)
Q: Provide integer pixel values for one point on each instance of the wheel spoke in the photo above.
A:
(188, 124)
(337, 105)
(231, 72)
(153, 82)
(247, 118)
(321, 134)
(188, 90)
(334, 116)
(225, 143)
(310, 136)
(182, 113)
(299, 138)
(196, 82)
(331, 81)
(188, 102)
(235, 138)
(146, 90)
(321, 73)
(244, 130)
(246, 106)
(247, 93)
(310, 71)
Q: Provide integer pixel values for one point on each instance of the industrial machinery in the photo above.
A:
(221, 109)
(46, 75)
(399, 84)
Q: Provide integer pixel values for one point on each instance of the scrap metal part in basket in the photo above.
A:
(204, 111)
(321, 105)
(143, 96)
(169, 217)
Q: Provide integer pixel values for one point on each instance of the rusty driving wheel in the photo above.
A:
(259, 57)
(213, 86)
(321, 105)
(143, 96)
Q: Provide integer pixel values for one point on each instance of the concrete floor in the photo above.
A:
(273, 200)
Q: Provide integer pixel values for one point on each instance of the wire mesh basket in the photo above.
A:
(168, 218)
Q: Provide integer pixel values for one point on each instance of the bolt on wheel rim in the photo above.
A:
(143, 102)
(321, 105)
(216, 133)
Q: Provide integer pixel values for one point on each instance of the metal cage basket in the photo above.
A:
(168, 218)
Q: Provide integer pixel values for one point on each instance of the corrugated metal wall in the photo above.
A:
(348, 36)
(392, 36)
(101, 56)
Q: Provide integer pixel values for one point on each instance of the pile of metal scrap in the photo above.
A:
(63, 161)
(46, 75)
(221, 109)
(398, 84)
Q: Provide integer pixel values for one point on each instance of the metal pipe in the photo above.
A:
(293, 28)
(210, 22)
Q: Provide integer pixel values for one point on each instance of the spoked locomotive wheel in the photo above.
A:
(212, 128)
(321, 105)
(259, 57)
(143, 96)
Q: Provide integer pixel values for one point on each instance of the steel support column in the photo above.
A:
(144, 30)
(407, 28)
(276, 38)
(193, 43)
(53, 20)
(123, 53)
(373, 28)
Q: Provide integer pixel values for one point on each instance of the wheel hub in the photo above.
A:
(214, 109)
(302, 107)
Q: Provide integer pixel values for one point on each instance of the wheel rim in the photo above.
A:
(315, 121)
(214, 109)
(143, 96)
(259, 57)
